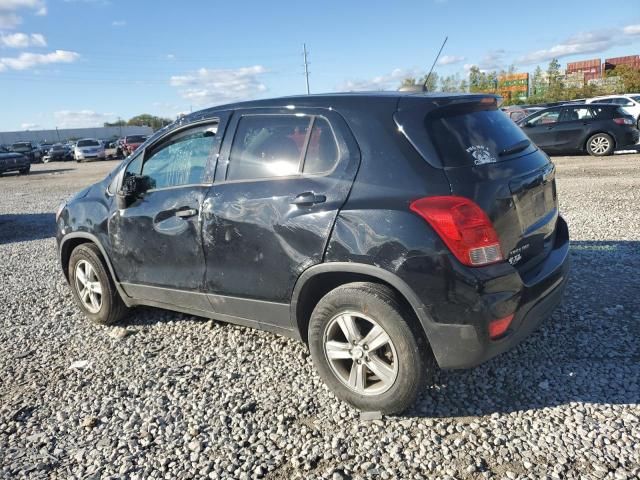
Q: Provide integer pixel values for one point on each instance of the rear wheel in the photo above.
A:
(367, 348)
(24, 171)
(600, 144)
(92, 286)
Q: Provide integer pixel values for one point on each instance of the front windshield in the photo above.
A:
(88, 143)
(21, 147)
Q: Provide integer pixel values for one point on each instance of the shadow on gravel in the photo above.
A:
(37, 172)
(26, 226)
(587, 352)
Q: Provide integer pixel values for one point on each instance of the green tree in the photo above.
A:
(146, 120)
(476, 79)
(432, 82)
(630, 77)
(408, 82)
(450, 83)
(119, 123)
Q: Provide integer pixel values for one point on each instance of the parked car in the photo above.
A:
(58, 152)
(112, 150)
(629, 102)
(131, 143)
(87, 149)
(13, 161)
(514, 112)
(29, 150)
(288, 215)
(598, 129)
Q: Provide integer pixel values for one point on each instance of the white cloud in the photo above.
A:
(387, 81)
(119, 23)
(450, 59)
(28, 60)
(206, 87)
(595, 41)
(30, 126)
(81, 118)
(631, 30)
(171, 56)
(22, 40)
(9, 18)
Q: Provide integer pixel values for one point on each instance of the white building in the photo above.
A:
(64, 134)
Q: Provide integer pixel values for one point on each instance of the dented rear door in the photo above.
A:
(266, 220)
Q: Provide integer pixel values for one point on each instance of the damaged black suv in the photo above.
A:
(391, 232)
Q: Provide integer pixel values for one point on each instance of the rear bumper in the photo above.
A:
(464, 346)
(633, 137)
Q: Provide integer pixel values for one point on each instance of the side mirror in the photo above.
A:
(133, 187)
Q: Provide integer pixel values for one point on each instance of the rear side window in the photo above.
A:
(603, 112)
(475, 137)
(322, 151)
(267, 146)
(574, 114)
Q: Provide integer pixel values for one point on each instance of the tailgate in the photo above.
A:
(489, 159)
(519, 196)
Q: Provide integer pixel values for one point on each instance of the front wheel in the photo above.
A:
(92, 287)
(24, 171)
(600, 145)
(368, 349)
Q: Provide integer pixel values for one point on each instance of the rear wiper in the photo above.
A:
(515, 148)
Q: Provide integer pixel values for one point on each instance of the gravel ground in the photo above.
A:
(166, 395)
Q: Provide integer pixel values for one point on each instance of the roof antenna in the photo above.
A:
(426, 80)
(423, 87)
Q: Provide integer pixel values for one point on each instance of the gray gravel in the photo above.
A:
(166, 395)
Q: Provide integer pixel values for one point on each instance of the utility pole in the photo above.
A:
(58, 134)
(306, 66)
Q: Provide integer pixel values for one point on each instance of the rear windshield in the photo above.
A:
(464, 137)
(88, 143)
(21, 146)
(135, 139)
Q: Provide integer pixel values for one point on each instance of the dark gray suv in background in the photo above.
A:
(392, 232)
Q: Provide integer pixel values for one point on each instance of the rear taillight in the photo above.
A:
(623, 121)
(497, 328)
(463, 227)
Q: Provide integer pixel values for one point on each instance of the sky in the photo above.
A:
(80, 63)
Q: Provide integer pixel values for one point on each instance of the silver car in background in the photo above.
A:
(88, 149)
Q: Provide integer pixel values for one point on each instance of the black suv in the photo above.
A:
(391, 232)
(598, 129)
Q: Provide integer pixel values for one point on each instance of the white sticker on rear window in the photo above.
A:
(481, 155)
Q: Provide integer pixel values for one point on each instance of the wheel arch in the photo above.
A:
(73, 240)
(319, 280)
(597, 132)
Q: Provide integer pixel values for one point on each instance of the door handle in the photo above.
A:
(308, 199)
(190, 212)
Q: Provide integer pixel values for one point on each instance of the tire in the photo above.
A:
(104, 308)
(600, 145)
(407, 355)
(25, 171)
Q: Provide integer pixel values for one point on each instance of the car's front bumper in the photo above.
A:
(464, 346)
